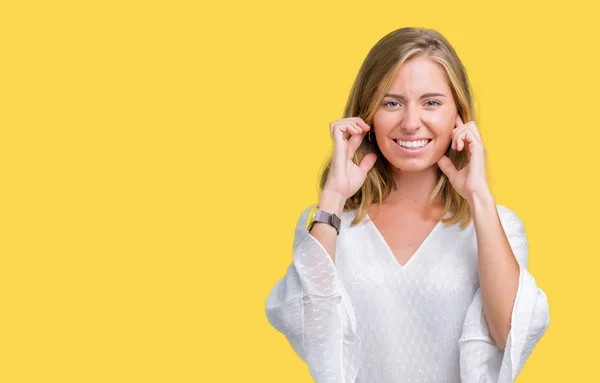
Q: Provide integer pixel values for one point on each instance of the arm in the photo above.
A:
(331, 202)
(497, 266)
(481, 359)
(310, 306)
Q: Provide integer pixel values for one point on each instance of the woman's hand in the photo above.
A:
(345, 177)
(471, 180)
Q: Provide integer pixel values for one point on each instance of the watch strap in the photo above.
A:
(328, 218)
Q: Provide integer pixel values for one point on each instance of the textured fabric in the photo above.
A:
(368, 319)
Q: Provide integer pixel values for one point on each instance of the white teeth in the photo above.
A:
(412, 144)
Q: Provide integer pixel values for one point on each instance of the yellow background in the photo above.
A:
(156, 155)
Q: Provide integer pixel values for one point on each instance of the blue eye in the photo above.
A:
(435, 103)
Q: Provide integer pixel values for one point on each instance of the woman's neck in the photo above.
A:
(413, 190)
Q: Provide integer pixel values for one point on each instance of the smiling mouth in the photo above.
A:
(412, 144)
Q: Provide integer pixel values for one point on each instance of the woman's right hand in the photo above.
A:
(345, 177)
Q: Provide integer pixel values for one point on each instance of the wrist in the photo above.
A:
(479, 202)
(332, 202)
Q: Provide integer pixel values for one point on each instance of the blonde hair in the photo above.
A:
(378, 69)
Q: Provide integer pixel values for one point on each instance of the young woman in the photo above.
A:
(407, 270)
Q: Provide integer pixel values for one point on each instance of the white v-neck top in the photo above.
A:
(368, 319)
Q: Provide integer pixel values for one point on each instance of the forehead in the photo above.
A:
(420, 74)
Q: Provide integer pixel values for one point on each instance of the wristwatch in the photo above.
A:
(318, 215)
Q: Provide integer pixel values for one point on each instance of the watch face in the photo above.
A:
(311, 217)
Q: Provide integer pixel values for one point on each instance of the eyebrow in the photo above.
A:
(401, 97)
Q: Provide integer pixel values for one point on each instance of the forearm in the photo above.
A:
(497, 267)
(324, 233)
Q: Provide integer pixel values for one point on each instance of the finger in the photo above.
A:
(461, 136)
(352, 128)
(455, 135)
(347, 128)
(346, 131)
(458, 121)
(338, 134)
(475, 149)
(469, 126)
(354, 143)
(447, 167)
(367, 163)
(458, 134)
(333, 127)
(459, 141)
(339, 145)
(362, 124)
(465, 138)
(473, 128)
(343, 126)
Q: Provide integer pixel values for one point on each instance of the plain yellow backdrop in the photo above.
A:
(155, 156)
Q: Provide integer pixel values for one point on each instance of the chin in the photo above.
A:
(412, 167)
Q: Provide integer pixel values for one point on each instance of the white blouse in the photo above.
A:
(368, 319)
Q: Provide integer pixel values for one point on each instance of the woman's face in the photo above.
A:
(417, 110)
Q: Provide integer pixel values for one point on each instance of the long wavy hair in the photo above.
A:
(373, 81)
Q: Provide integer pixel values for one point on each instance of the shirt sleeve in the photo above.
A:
(480, 359)
(311, 307)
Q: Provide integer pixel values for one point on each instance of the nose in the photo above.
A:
(411, 119)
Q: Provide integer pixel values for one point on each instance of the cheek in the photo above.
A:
(445, 140)
(442, 129)
(442, 126)
(383, 124)
(382, 119)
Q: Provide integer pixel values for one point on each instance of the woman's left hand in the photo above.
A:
(471, 180)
